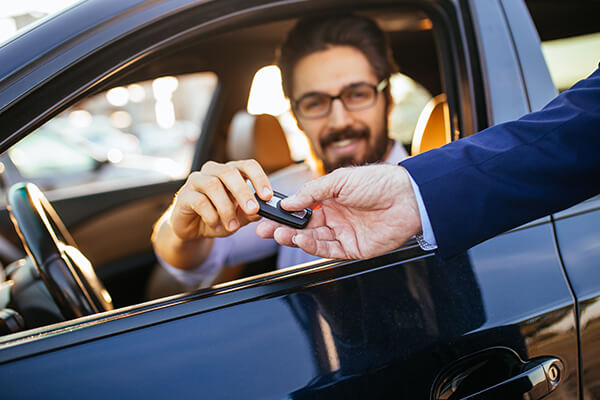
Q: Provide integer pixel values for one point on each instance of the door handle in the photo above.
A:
(539, 378)
(498, 373)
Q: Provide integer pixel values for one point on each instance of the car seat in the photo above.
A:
(260, 137)
(433, 126)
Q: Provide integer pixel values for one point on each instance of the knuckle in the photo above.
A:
(213, 168)
(211, 219)
(210, 183)
(193, 177)
(252, 162)
(183, 194)
(228, 171)
(208, 166)
(227, 209)
(201, 202)
(255, 166)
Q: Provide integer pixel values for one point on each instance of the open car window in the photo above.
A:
(420, 114)
(164, 116)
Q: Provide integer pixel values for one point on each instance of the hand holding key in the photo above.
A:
(365, 211)
(272, 210)
(216, 201)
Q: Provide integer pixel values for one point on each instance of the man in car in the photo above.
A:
(460, 194)
(336, 74)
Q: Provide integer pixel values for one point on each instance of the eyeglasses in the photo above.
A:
(355, 97)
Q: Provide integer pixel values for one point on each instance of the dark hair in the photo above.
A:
(314, 34)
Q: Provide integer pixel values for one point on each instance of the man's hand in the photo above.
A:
(365, 211)
(217, 201)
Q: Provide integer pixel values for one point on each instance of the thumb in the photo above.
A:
(312, 192)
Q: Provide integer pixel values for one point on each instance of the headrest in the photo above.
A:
(433, 126)
(260, 137)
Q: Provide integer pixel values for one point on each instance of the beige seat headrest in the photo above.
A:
(433, 126)
(259, 137)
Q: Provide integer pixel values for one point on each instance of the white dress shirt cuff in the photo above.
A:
(426, 239)
(203, 275)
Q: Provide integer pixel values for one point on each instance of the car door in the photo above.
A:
(500, 317)
(577, 236)
(576, 228)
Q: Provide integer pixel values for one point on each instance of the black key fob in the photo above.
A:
(272, 210)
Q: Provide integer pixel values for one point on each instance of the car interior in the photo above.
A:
(110, 201)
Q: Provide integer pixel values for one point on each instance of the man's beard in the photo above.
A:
(373, 155)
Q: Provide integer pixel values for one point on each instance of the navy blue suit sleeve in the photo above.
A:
(512, 173)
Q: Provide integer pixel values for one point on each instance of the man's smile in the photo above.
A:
(345, 147)
(344, 141)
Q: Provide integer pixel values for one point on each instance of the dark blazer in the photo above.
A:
(515, 172)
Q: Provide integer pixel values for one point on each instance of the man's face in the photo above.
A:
(342, 137)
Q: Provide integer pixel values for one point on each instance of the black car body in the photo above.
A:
(514, 317)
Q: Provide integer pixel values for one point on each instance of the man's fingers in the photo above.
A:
(245, 218)
(284, 235)
(213, 189)
(317, 219)
(309, 194)
(194, 214)
(319, 241)
(230, 175)
(316, 238)
(266, 228)
(319, 247)
(239, 190)
(202, 206)
(252, 170)
(314, 191)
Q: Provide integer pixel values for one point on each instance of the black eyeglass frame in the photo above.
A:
(376, 88)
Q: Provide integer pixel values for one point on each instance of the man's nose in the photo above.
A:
(339, 117)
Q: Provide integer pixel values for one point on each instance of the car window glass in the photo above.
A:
(144, 132)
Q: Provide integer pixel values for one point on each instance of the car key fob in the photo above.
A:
(272, 210)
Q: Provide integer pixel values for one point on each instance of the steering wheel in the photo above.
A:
(66, 272)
